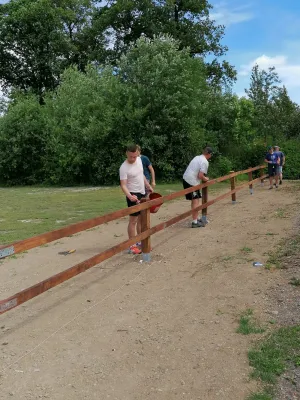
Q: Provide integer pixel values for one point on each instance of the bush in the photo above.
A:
(291, 170)
(219, 167)
(23, 142)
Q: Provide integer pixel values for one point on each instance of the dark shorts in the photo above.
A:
(273, 169)
(131, 203)
(192, 195)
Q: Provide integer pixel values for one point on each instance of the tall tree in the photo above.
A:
(188, 21)
(40, 38)
(263, 91)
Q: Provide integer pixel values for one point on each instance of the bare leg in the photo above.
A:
(132, 226)
(271, 181)
(195, 213)
(139, 225)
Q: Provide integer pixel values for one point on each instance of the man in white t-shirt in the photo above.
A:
(194, 174)
(133, 183)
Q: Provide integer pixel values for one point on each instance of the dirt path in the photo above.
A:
(159, 331)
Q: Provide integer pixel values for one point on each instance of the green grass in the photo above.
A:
(280, 213)
(260, 396)
(29, 211)
(295, 282)
(286, 248)
(247, 325)
(246, 249)
(270, 357)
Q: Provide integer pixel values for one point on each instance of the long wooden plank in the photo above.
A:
(41, 287)
(48, 237)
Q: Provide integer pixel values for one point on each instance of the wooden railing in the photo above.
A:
(144, 237)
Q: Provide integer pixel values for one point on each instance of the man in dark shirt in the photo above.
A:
(272, 159)
(148, 170)
(281, 163)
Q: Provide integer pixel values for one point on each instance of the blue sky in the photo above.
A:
(266, 32)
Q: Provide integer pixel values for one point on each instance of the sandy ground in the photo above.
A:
(164, 330)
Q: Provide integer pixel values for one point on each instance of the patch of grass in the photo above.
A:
(286, 248)
(227, 258)
(246, 249)
(247, 325)
(280, 213)
(295, 282)
(260, 396)
(269, 358)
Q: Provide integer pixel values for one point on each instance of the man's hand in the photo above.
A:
(150, 189)
(153, 184)
(133, 198)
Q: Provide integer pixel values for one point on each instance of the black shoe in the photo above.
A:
(280, 182)
(197, 224)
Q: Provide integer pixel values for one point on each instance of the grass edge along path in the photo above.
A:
(270, 358)
(29, 211)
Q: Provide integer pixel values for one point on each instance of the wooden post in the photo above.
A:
(250, 178)
(145, 225)
(232, 183)
(261, 173)
(204, 200)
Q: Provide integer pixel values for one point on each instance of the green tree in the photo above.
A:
(187, 21)
(263, 91)
(40, 38)
(23, 142)
(164, 94)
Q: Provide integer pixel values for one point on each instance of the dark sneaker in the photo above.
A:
(276, 186)
(280, 182)
(271, 187)
(198, 224)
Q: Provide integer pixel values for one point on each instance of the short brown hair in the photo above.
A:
(132, 148)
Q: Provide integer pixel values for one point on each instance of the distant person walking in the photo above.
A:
(133, 184)
(272, 159)
(281, 163)
(148, 169)
(194, 174)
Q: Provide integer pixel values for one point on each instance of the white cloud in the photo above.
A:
(288, 72)
(225, 16)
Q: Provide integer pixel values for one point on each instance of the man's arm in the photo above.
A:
(202, 176)
(152, 172)
(123, 183)
(283, 159)
(267, 161)
(147, 184)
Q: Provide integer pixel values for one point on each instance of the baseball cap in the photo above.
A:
(270, 147)
(277, 147)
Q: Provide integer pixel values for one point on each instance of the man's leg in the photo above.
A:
(195, 213)
(271, 182)
(132, 225)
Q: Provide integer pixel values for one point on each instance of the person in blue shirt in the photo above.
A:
(281, 163)
(273, 160)
(148, 170)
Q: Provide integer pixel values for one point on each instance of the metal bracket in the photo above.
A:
(8, 305)
(7, 251)
(146, 257)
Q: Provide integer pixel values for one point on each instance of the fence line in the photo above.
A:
(41, 287)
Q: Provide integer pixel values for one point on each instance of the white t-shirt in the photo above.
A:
(198, 164)
(134, 174)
